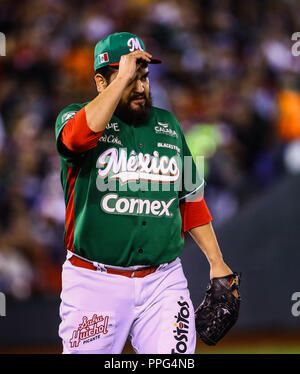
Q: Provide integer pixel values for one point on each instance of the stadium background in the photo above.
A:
(229, 76)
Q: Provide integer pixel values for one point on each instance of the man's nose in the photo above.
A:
(139, 86)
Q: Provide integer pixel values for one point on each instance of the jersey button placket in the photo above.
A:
(142, 189)
(139, 147)
(139, 180)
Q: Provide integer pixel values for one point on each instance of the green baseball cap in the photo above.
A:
(109, 50)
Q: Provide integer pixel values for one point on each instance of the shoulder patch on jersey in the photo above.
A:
(66, 116)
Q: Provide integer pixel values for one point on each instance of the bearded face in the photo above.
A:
(134, 109)
(136, 102)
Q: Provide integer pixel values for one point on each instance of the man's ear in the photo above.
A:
(101, 82)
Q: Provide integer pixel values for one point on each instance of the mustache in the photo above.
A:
(134, 117)
(137, 96)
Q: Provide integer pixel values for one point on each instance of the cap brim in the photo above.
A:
(153, 61)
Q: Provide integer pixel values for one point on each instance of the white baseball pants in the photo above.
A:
(99, 311)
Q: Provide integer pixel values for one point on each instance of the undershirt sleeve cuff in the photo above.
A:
(77, 136)
(194, 214)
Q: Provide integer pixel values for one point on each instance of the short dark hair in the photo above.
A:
(106, 72)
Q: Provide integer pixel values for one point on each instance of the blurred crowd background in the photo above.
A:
(228, 74)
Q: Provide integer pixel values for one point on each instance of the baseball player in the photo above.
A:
(127, 208)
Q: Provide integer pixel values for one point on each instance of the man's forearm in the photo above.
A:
(206, 239)
(100, 110)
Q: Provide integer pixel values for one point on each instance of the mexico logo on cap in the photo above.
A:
(103, 57)
(133, 44)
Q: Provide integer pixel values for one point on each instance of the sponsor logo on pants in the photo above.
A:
(89, 330)
(182, 328)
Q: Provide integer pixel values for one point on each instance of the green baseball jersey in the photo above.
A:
(122, 196)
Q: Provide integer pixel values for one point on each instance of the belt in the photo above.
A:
(139, 273)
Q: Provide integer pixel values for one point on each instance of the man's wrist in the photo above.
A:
(216, 260)
(122, 81)
(219, 269)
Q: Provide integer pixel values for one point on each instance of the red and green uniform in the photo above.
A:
(135, 221)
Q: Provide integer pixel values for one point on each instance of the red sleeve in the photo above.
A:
(194, 214)
(77, 136)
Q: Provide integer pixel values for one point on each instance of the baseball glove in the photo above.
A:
(219, 310)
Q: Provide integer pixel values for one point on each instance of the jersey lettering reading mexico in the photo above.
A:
(122, 196)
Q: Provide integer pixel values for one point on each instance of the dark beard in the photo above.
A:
(134, 117)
